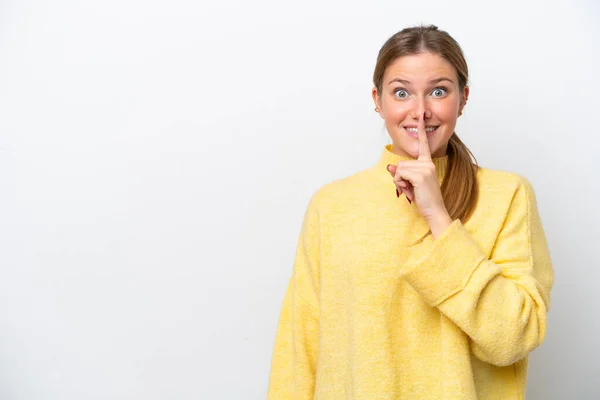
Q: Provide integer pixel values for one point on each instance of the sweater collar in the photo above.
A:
(387, 157)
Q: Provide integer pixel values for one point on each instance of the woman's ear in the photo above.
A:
(376, 100)
(464, 98)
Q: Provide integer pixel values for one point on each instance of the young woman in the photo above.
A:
(425, 276)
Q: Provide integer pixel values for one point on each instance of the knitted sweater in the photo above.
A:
(368, 314)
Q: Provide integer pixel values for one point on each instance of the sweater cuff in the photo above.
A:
(439, 268)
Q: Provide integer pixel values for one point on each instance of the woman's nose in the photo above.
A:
(419, 108)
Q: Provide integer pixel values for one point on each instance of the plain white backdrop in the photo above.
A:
(156, 159)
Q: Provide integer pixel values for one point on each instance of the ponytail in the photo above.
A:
(459, 188)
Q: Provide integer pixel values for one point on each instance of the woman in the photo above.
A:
(425, 276)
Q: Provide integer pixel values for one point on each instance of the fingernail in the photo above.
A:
(409, 202)
(397, 193)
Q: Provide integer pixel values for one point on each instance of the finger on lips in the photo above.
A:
(403, 185)
(424, 150)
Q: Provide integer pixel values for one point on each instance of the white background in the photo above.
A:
(156, 159)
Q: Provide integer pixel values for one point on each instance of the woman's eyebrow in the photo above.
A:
(431, 82)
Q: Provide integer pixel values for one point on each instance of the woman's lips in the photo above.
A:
(415, 134)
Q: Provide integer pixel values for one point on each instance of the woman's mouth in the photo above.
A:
(412, 131)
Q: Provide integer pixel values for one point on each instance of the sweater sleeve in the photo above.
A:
(293, 364)
(500, 302)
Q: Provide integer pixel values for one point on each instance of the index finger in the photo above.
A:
(424, 150)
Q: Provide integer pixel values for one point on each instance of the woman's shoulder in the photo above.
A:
(498, 185)
(340, 190)
(497, 179)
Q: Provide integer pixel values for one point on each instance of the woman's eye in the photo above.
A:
(438, 92)
(401, 93)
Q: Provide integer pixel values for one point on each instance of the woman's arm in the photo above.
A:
(294, 358)
(500, 302)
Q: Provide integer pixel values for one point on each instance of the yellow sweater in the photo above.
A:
(367, 315)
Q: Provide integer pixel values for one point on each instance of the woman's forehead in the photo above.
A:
(419, 68)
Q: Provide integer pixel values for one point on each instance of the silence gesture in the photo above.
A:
(417, 179)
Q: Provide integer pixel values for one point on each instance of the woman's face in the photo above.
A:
(417, 84)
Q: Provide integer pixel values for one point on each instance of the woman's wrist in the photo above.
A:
(439, 222)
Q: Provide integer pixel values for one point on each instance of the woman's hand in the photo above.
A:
(418, 180)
